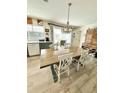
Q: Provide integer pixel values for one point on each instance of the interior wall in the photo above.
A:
(76, 34)
(34, 22)
(83, 35)
(80, 35)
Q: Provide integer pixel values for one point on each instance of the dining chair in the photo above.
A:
(93, 52)
(54, 46)
(62, 42)
(67, 45)
(81, 60)
(64, 64)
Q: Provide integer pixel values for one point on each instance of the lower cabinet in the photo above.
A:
(44, 45)
(33, 49)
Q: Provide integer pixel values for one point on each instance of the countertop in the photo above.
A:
(30, 42)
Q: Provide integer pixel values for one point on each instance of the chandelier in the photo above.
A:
(68, 28)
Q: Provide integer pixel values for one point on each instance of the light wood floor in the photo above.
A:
(40, 80)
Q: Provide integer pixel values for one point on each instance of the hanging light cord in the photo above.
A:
(69, 4)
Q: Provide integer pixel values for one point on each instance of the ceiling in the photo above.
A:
(82, 12)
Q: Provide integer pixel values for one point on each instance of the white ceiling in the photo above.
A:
(83, 12)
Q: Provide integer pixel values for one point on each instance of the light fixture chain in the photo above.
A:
(69, 4)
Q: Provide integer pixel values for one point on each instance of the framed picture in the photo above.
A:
(46, 30)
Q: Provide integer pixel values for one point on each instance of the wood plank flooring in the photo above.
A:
(40, 80)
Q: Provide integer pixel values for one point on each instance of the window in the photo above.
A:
(59, 35)
(56, 34)
(66, 36)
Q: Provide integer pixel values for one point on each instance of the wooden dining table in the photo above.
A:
(50, 56)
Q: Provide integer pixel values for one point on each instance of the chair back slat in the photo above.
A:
(84, 53)
(64, 61)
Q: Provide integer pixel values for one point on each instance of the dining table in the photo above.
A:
(49, 56)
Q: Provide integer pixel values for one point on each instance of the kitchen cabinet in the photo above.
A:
(29, 20)
(45, 45)
(33, 49)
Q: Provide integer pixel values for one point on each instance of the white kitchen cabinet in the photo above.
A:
(33, 49)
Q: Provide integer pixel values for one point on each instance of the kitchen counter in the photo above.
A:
(33, 42)
(34, 47)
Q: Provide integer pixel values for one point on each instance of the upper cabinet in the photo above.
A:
(40, 22)
(29, 20)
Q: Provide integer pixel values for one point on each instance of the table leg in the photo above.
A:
(55, 77)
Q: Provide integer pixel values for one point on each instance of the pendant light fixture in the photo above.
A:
(68, 28)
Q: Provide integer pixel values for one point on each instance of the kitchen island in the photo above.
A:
(34, 47)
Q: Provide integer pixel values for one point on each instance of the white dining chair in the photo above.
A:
(81, 60)
(67, 45)
(54, 46)
(64, 63)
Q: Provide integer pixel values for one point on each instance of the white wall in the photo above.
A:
(80, 35)
(34, 21)
(46, 26)
(76, 34)
(83, 34)
(84, 31)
